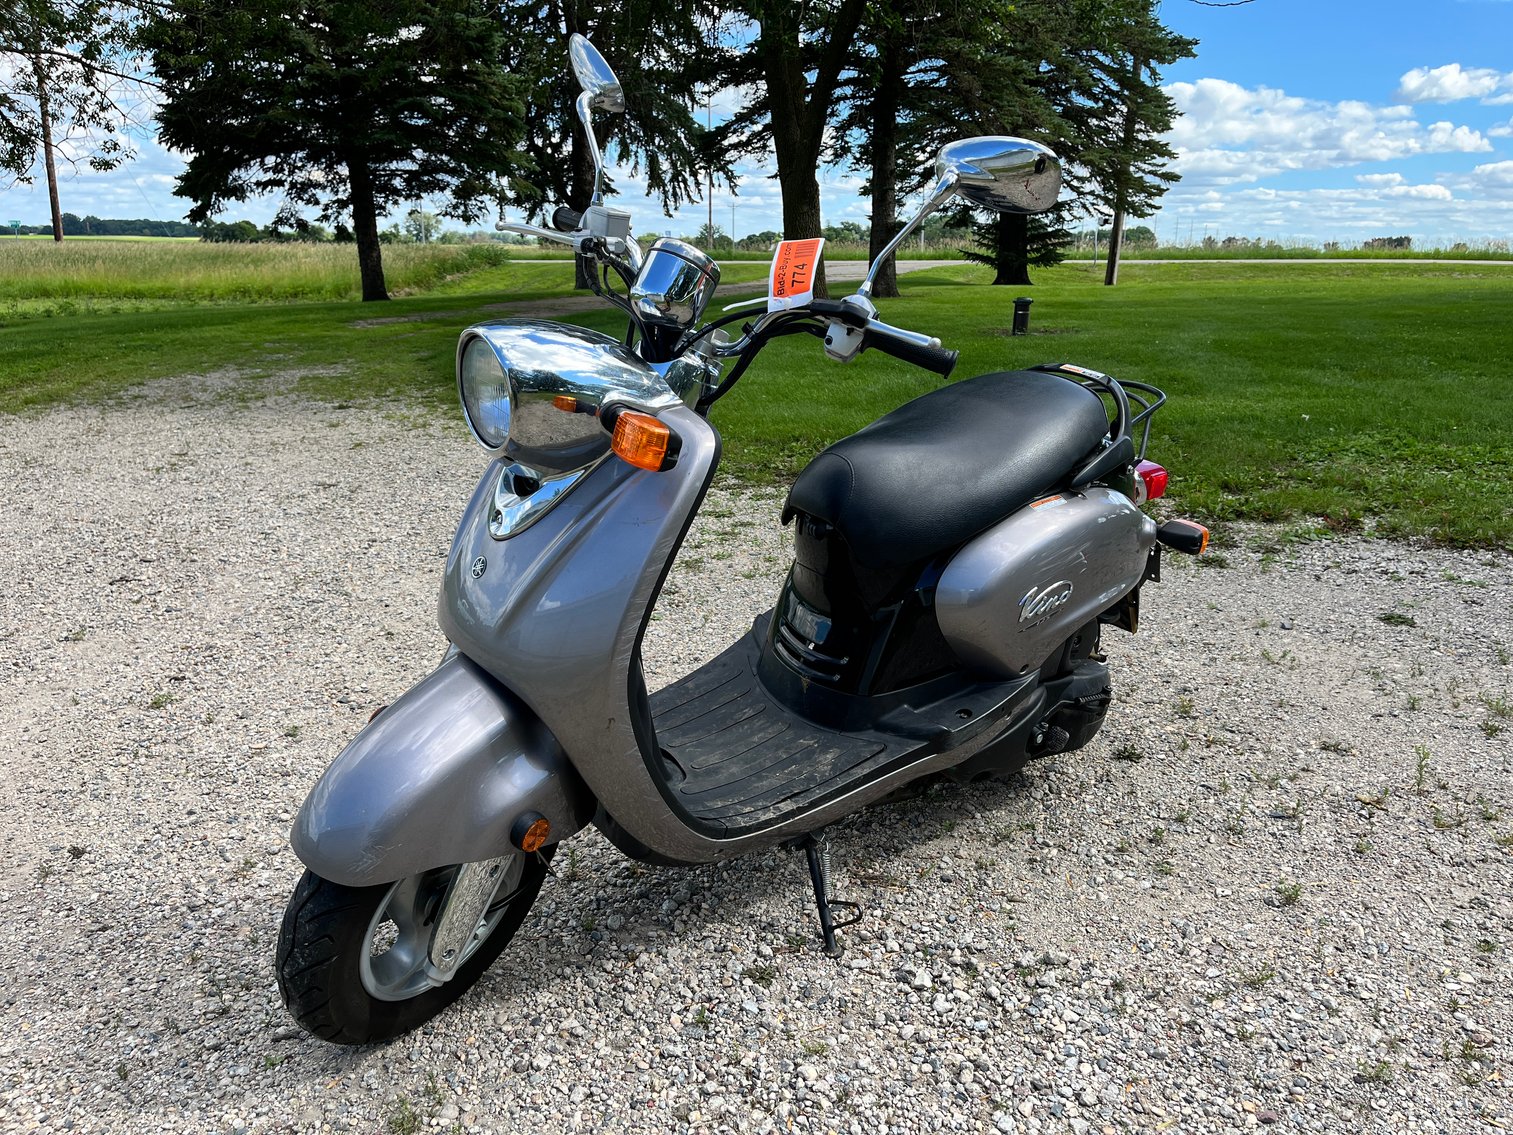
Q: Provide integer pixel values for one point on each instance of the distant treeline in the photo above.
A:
(75, 225)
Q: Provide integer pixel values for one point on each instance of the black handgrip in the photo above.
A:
(566, 220)
(936, 359)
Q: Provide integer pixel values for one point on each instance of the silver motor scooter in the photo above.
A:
(955, 562)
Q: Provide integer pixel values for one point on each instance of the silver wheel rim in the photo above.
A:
(395, 961)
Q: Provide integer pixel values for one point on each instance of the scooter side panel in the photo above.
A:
(1012, 595)
(439, 777)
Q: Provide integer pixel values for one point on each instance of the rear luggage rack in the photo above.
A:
(1149, 399)
(1146, 397)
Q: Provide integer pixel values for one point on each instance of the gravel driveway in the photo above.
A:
(1274, 893)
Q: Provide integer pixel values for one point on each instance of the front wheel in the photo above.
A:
(352, 960)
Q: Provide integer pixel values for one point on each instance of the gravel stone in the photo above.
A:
(1274, 891)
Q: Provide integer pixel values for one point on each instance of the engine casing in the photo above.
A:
(1014, 593)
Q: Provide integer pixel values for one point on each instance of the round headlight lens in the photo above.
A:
(485, 393)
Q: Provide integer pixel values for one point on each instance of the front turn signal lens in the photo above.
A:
(530, 832)
(643, 441)
(566, 403)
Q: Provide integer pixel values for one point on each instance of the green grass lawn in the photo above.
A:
(1324, 392)
(1330, 395)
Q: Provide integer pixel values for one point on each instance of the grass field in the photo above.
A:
(104, 276)
(951, 250)
(1334, 397)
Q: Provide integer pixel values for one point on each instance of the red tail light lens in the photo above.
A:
(1153, 480)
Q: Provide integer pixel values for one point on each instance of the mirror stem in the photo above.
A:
(585, 116)
(938, 196)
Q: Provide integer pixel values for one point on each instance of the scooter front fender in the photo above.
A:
(439, 777)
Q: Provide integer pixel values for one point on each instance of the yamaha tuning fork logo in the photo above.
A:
(480, 565)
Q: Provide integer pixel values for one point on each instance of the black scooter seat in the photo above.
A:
(942, 468)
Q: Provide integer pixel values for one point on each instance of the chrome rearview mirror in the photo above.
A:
(601, 91)
(595, 76)
(1007, 175)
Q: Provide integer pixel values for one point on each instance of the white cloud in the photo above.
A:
(1420, 192)
(1379, 179)
(1451, 83)
(1475, 208)
(1229, 134)
(1494, 176)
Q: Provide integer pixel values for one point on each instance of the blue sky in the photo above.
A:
(1307, 121)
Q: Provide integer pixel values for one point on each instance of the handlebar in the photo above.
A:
(858, 313)
(881, 337)
(566, 220)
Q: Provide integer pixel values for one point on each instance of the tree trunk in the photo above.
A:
(1115, 242)
(365, 229)
(885, 166)
(45, 117)
(1013, 252)
(800, 109)
(797, 154)
(1122, 177)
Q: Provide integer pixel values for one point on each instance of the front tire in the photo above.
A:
(351, 960)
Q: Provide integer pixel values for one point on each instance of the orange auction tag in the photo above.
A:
(794, 265)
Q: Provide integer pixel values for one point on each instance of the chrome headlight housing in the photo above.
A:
(485, 392)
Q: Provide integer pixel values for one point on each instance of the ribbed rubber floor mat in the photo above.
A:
(745, 757)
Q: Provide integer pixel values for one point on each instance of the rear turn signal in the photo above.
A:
(1184, 536)
(1153, 480)
(643, 441)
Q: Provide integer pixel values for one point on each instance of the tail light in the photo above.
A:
(1150, 482)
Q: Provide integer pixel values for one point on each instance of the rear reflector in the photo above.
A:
(643, 441)
(530, 832)
(1153, 480)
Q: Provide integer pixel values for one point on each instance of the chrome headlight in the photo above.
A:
(485, 392)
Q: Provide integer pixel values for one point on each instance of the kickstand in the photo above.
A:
(818, 853)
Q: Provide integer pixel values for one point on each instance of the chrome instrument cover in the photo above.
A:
(675, 284)
(559, 378)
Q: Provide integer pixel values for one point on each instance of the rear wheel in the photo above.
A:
(352, 961)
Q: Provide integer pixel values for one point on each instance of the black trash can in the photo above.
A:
(1022, 315)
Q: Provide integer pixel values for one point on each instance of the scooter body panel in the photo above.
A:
(1013, 594)
(437, 778)
(556, 613)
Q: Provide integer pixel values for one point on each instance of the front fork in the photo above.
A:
(463, 913)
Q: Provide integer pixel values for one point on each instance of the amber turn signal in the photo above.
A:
(566, 403)
(530, 832)
(1184, 536)
(643, 441)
